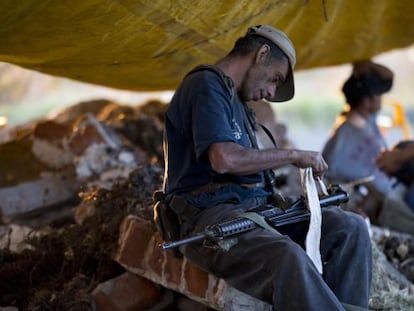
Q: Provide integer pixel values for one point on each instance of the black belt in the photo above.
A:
(212, 187)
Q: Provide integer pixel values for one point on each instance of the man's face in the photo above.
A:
(262, 80)
(375, 102)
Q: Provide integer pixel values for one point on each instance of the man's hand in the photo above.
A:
(312, 159)
(390, 161)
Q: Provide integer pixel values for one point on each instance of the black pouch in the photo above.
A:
(166, 220)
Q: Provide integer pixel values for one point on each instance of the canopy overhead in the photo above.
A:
(146, 45)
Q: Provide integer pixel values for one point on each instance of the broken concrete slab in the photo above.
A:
(49, 189)
(12, 237)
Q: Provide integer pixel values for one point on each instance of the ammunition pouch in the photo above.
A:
(166, 220)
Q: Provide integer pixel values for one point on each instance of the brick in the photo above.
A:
(104, 303)
(72, 113)
(51, 154)
(135, 234)
(197, 280)
(155, 262)
(173, 268)
(51, 131)
(90, 131)
(82, 139)
(127, 292)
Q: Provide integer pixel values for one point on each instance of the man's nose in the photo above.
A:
(271, 90)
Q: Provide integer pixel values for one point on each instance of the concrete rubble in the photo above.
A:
(76, 163)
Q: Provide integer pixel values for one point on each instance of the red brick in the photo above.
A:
(135, 234)
(173, 268)
(104, 303)
(128, 292)
(51, 130)
(197, 280)
(83, 138)
(155, 262)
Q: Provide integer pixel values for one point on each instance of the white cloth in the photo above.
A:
(313, 237)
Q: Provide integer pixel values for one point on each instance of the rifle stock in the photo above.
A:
(274, 216)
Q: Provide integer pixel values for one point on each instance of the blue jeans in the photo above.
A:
(276, 269)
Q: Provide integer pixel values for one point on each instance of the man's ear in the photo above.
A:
(262, 53)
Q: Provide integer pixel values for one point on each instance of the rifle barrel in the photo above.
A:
(172, 244)
(334, 199)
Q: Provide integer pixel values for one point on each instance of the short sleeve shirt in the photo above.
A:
(351, 153)
(203, 110)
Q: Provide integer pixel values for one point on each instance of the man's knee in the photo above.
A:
(356, 223)
(344, 218)
(349, 223)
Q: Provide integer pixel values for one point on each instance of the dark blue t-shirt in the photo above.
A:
(204, 110)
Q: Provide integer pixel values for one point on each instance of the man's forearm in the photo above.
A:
(232, 158)
(235, 159)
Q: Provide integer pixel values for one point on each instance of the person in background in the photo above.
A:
(356, 142)
(399, 163)
(214, 172)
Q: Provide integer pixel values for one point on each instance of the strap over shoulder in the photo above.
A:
(228, 82)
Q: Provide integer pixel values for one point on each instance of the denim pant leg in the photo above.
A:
(346, 255)
(270, 267)
(273, 269)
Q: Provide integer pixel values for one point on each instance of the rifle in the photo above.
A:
(274, 216)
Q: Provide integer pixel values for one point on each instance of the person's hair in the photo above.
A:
(252, 42)
(355, 101)
(356, 88)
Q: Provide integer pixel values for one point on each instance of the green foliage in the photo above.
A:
(308, 112)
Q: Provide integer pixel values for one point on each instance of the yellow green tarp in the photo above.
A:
(149, 45)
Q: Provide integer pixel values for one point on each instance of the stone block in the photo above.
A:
(49, 189)
(90, 131)
(51, 131)
(127, 292)
(134, 237)
(81, 140)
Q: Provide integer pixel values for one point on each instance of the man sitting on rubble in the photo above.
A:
(356, 142)
(213, 173)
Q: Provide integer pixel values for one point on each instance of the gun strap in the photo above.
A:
(260, 221)
(250, 125)
(269, 134)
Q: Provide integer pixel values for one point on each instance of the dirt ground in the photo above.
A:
(66, 263)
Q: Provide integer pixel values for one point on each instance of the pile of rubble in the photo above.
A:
(76, 221)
